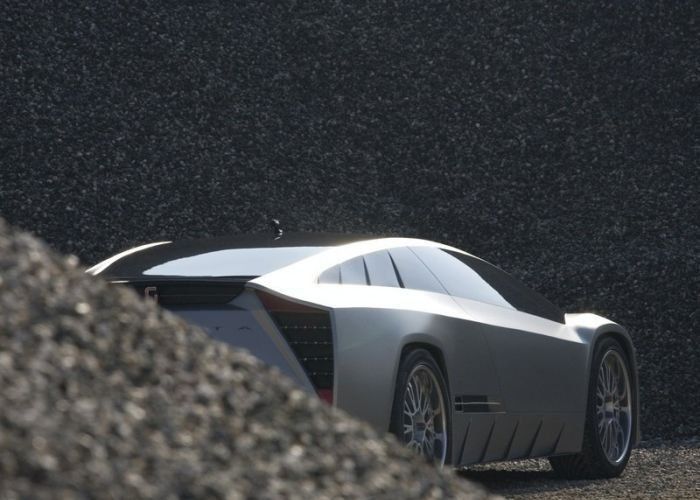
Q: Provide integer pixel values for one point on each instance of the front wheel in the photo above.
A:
(610, 423)
(420, 418)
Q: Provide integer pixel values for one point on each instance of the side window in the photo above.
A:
(514, 291)
(412, 272)
(353, 272)
(459, 279)
(330, 276)
(380, 269)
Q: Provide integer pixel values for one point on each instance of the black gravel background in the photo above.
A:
(557, 139)
(106, 396)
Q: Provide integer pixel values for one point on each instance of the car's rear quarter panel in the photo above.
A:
(370, 342)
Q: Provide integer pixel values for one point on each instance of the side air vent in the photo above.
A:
(189, 293)
(477, 404)
(308, 332)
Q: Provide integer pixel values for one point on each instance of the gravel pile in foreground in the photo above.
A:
(105, 396)
(658, 469)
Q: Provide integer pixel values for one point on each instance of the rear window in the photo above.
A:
(380, 269)
(374, 269)
(511, 289)
(353, 272)
(412, 271)
(397, 267)
(233, 262)
(459, 279)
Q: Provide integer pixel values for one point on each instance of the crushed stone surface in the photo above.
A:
(657, 469)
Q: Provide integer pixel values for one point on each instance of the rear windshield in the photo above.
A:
(233, 262)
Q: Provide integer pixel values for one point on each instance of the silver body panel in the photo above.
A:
(537, 369)
(517, 382)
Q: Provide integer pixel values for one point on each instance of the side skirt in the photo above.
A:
(490, 437)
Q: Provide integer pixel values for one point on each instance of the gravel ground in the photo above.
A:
(557, 139)
(656, 470)
(103, 395)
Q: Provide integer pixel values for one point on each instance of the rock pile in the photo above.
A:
(105, 396)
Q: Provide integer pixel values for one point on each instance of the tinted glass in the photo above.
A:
(238, 255)
(458, 278)
(330, 276)
(380, 269)
(232, 262)
(513, 290)
(352, 272)
(412, 273)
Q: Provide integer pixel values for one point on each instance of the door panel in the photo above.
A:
(541, 364)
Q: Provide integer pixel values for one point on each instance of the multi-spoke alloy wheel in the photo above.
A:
(424, 423)
(610, 421)
(420, 418)
(613, 407)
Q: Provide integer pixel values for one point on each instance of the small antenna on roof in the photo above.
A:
(276, 229)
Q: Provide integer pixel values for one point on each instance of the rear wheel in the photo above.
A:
(610, 422)
(420, 417)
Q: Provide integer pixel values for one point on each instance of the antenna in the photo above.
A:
(276, 229)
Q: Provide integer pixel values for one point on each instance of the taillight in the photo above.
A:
(326, 395)
(308, 332)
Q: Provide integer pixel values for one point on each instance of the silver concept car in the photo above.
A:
(458, 359)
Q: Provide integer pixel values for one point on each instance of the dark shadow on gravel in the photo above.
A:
(510, 476)
(506, 482)
(523, 482)
(657, 469)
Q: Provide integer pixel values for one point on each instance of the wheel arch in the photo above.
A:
(413, 344)
(435, 352)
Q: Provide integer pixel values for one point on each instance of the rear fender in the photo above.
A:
(592, 328)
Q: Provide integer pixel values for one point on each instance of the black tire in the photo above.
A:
(592, 462)
(417, 360)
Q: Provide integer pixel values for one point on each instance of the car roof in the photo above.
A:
(139, 262)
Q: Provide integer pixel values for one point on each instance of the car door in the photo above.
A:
(400, 302)
(540, 362)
